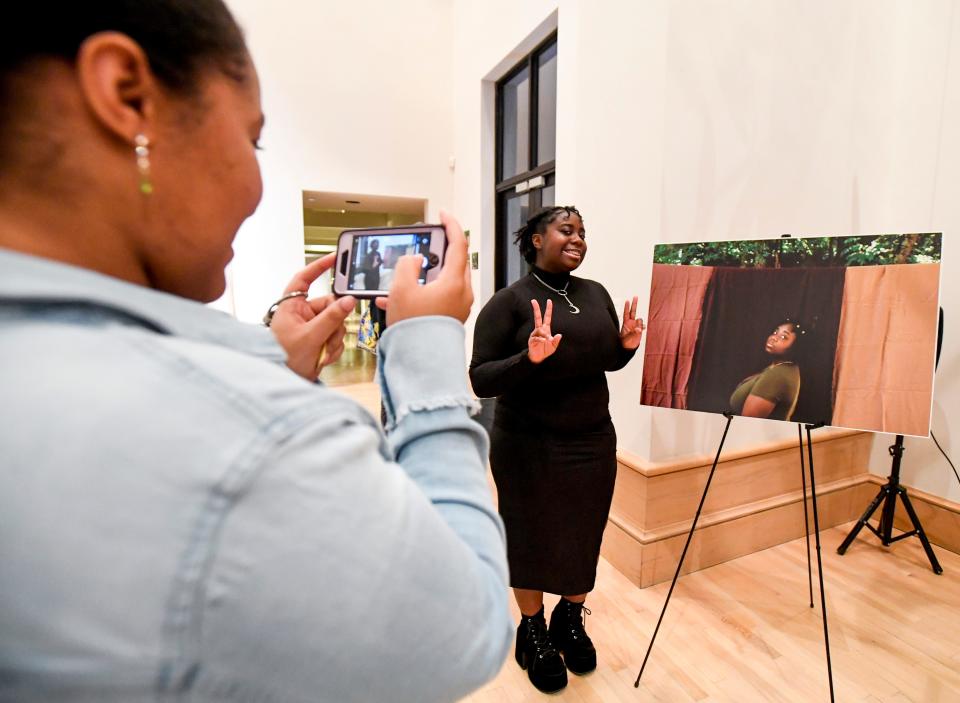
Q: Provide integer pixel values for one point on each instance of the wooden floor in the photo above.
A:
(744, 631)
(354, 367)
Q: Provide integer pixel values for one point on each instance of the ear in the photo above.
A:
(117, 84)
(537, 240)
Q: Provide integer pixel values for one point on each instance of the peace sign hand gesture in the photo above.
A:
(631, 331)
(542, 343)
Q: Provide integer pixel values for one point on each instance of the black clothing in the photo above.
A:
(553, 446)
(371, 270)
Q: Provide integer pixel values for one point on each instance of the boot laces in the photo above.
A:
(578, 622)
(541, 639)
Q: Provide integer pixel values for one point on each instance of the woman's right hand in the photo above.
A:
(451, 294)
(541, 342)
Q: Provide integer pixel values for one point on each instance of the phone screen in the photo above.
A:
(375, 256)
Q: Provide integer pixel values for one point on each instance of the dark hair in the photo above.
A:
(179, 37)
(537, 224)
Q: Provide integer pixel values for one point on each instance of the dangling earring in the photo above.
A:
(142, 150)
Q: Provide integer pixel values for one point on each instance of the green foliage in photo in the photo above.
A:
(874, 250)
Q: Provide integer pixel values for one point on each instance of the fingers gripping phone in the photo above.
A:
(367, 258)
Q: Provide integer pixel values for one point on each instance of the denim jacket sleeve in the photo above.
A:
(364, 570)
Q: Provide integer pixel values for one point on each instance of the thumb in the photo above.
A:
(407, 270)
(326, 322)
(556, 340)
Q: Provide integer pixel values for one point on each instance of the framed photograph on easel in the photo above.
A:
(836, 330)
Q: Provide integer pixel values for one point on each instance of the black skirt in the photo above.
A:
(554, 491)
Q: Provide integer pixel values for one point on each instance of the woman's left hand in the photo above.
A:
(631, 331)
(311, 331)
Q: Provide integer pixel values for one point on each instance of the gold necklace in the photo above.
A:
(574, 310)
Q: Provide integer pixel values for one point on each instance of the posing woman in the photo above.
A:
(773, 392)
(542, 347)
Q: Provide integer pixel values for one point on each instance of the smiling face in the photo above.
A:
(562, 247)
(781, 340)
(207, 182)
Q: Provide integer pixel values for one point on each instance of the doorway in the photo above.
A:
(325, 215)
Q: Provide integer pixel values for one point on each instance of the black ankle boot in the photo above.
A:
(568, 635)
(536, 654)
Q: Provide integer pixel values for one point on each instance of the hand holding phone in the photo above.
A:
(451, 291)
(311, 331)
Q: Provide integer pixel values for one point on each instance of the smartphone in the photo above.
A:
(366, 258)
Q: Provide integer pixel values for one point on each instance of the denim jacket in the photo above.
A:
(183, 518)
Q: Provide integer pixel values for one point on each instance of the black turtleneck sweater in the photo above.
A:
(567, 391)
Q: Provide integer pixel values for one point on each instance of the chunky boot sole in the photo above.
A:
(546, 683)
(580, 665)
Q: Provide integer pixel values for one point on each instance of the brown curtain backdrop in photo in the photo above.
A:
(741, 308)
(673, 321)
(886, 348)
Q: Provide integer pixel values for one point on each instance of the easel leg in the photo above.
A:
(806, 520)
(816, 532)
(683, 554)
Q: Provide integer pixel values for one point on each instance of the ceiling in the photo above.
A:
(326, 214)
(338, 202)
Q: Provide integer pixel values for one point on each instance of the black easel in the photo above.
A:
(806, 522)
(816, 532)
(888, 496)
(683, 554)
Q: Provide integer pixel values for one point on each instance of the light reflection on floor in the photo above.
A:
(355, 366)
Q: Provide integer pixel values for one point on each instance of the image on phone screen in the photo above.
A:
(375, 257)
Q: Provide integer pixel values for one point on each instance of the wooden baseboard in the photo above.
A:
(939, 517)
(755, 502)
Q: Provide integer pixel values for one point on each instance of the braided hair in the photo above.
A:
(537, 224)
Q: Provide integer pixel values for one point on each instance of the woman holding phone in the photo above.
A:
(185, 514)
(543, 346)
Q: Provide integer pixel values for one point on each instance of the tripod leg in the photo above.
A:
(934, 564)
(861, 523)
(806, 521)
(816, 532)
(676, 575)
(885, 528)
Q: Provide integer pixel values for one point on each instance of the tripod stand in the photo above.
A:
(888, 496)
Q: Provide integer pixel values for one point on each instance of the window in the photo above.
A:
(526, 151)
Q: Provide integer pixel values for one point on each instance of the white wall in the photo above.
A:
(485, 47)
(693, 120)
(358, 98)
(678, 120)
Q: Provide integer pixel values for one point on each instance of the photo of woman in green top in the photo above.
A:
(773, 392)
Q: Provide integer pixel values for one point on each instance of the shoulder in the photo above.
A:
(512, 297)
(142, 382)
(786, 372)
(589, 284)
